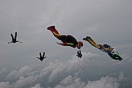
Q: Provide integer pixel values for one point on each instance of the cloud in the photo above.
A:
(37, 86)
(53, 72)
(25, 71)
(25, 82)
(70, 82)
(5, 85)
(121, 76)
(104, 82)
(72, 65)
(62, 74)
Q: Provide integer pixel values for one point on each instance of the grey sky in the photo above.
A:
(106, 21)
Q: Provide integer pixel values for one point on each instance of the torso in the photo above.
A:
(68, 39)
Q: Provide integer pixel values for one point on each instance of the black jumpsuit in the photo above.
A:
(68, 39)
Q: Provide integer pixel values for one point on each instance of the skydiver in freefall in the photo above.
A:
(14, 39)
(79, 54)
(41, 56)
(67, 40)
(105, 48)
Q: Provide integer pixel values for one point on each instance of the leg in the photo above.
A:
(92, 42)
(12, 37)
(43, 54)
(40, 54)
(15, 35)
(54, 31)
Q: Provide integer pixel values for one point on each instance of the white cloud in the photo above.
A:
(25, 82)
(104, 82)
(37, 86)
(27, 76)
(72, 65)
(23, 72)
(71, 82)
(121, 76)
(5, 85)
(61, 74)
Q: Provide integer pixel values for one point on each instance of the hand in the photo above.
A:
(63, 44)
(59, 43)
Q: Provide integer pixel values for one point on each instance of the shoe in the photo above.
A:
(51, 27)
(86, 38)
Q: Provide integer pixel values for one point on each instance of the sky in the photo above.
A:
(106, 21)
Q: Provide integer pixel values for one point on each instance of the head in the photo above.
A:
(117, 57)
(79, 44)
(116, 54)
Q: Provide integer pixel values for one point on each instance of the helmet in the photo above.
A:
(79, 44)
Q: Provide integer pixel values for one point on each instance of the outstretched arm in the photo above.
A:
(38, 57)
(65, 44)
(9, 42)
(19, 41)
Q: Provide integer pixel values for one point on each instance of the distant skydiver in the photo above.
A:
(67, 40)
(79, 54)
(41, 57)
(14, 39)
(105, 48)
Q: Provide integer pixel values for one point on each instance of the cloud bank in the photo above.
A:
(104, 82)
(59, 74)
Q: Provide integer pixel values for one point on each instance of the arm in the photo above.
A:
(66, 44)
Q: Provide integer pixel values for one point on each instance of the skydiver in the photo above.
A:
(14, 38)
(41, 57)
(79, 54)
(67, 40)
(105, 48)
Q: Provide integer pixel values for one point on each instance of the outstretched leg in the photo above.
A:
(12, 37)
(54, 31)
(43, 54)
(92, 42)
(15, 35)
(40, 54)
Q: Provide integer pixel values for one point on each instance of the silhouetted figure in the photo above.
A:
(14, 39)
(41, 56)
(79, 54)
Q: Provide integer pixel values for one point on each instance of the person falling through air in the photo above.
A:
(67, 40)
(105, 48)
(14, 39)
(41, 57)
(79, 54)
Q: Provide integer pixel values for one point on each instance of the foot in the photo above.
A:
(86, 38)
(51, 27)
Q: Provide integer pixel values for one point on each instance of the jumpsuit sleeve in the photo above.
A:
(69, 44)
(66, 44)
